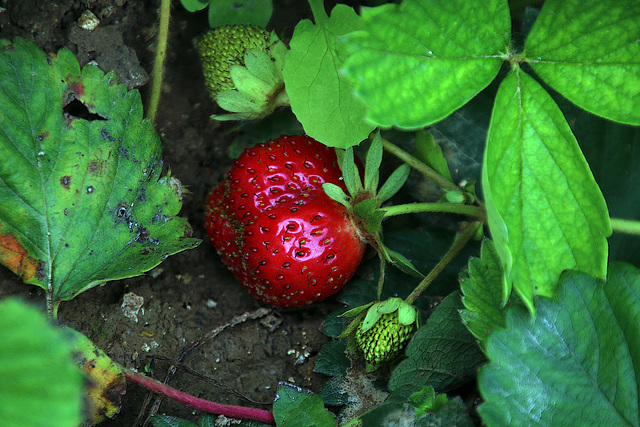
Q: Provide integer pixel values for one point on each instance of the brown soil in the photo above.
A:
(191, 293)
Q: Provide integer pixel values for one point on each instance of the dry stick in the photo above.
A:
(157, 75)
(253, 315)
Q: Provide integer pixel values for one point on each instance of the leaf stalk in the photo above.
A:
(456, 208)
(627, 226)
(161, 56)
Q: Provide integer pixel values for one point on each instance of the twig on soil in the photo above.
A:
(252, 315)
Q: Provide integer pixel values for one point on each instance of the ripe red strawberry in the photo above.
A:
(282, 237)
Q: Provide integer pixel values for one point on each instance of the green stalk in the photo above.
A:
(157, 76)
(627, 226)
(318, 11)
(474, 211)
(426, 170)
(457, 246)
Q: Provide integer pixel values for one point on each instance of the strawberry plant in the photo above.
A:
(534, 107)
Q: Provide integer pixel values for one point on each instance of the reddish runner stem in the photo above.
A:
(197, 403)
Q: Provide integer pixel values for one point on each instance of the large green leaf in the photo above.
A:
(442, 354)
(416, 63)
(545, 211)
(297, 407)
(321, 98)
(589, 52)
(81, 199)
(577, 363)
(39, 382)
(229, 12)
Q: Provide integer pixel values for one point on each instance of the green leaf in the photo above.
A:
(39, 383)
(589, 52)
(576, 361)
(320, 96)
(297, 407)
(332, 359)
(246, 12)
(416, 63)
(482, 288)
(442, 354)
(81, 200)
(334, 392)
(545, 211)
(431, 154)
(194, 5)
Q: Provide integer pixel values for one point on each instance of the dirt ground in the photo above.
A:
(191, 293)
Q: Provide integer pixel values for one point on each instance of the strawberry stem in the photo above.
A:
(161, 55)
(459, 243)
(199, 404)
(627, 226)
(423, 168)
(474, 211)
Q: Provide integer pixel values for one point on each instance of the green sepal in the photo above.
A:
(336, 193)
(350, 173)
(372, 165)
(401, 262)
(356, 310)
(394, 183)
(369, 213)
(353, 326)
(373, 315)
(454, 196)
(249, 84)
(406, 313)
(389, 306)
(261, 66)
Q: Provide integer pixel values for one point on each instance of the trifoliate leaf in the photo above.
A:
(482, 287)
(321, 97)
(416, 63)
(39, 383)
(545, 211)
(81, 199)
(297, 407)
(575, 363)
(598, 69)
(442, 354)
(229, 12)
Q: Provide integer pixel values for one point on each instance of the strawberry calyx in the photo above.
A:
(243, 65)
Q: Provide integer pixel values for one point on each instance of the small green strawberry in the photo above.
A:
(382, 329)
(242, 65)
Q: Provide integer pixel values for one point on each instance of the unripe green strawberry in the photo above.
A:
(384, 340)
(225, 46)
(243, 65)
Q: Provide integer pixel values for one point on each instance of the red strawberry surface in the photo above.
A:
(282, 237)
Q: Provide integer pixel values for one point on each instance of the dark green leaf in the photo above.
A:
(320, 96)
(295, 407)
(442, 354)
(412, 66)
(245, 12)
(39, 383)
(332, 359)
(545, 211)
(334, 324)
(482, 288)
(333, 393)
(82, 199)
(597, 69)
(576, 361)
